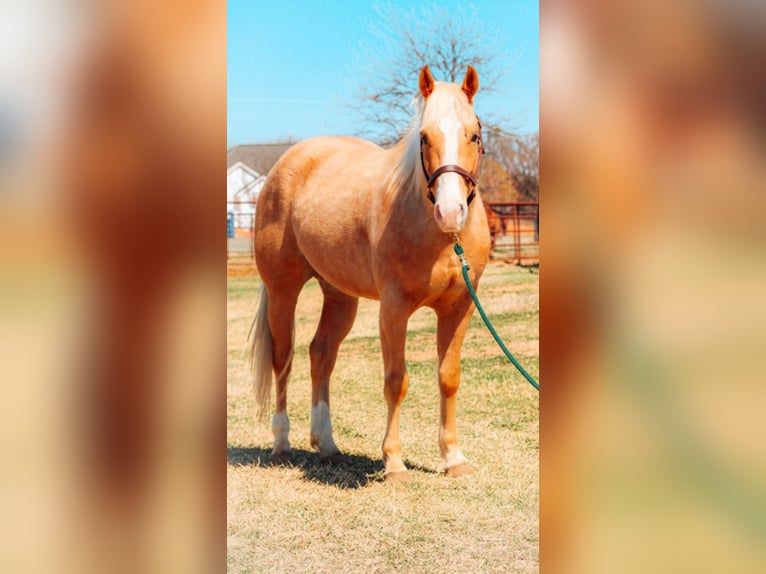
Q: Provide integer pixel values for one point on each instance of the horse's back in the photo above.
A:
(307, 164)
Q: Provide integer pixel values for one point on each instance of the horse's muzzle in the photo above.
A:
(450, 220)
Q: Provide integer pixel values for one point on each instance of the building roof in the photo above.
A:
(259, 157)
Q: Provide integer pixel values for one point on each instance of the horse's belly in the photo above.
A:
(339, 254)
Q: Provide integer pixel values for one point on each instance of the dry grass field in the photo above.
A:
(316, 517)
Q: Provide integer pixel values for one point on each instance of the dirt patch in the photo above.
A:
(241, 269)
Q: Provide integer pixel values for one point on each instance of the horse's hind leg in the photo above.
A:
(338, 314)
(282, 303)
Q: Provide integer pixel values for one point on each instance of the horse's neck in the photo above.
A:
(408, 215)
(405, 160)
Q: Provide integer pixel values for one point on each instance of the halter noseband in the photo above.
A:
(468, 176)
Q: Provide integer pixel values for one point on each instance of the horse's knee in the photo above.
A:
(448, 386)
(396, 384)
(449, 374)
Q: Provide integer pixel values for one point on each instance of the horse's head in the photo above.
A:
(450, 146)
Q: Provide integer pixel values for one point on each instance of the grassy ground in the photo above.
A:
(317, 517)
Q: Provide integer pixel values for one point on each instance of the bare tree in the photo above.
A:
(495, 182)
(525, 154)
(447, 40)
(406, 40)
(519, 155)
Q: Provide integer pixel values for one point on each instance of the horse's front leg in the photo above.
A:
(451, 327)
(394, 315)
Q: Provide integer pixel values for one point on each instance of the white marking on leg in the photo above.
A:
(394, 463)
(280, 426)
(453, 457)
(321, 429)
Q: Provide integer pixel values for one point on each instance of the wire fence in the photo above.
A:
(514, 229)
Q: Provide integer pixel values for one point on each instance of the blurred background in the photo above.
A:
(112, 339)
(653, 321)
(112, 344)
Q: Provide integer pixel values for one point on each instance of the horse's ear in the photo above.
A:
(471, 83)
(426, 82)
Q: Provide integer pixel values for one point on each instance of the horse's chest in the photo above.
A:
(445, 283)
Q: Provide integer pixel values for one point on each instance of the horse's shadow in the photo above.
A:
(350, 472)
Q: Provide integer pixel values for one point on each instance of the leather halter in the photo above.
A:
(470, 178)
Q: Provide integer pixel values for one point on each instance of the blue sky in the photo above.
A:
(289, 65)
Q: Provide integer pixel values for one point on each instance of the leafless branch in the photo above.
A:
(385, 74)
(385, 78)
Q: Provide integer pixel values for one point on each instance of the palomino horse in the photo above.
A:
(376, 223)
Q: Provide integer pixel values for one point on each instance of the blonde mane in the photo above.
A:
(446, 98)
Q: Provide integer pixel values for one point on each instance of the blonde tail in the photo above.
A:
(260, 357)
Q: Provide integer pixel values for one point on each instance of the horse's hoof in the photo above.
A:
(462, 469)
(334, 458)
(398, 477)
(279, 458)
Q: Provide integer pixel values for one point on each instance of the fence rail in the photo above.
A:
(515, 231)
(240, 219)
(513, 227)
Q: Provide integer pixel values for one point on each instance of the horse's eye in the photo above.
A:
(423, 139)
(474, 138)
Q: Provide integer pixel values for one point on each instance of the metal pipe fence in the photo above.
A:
(240, 220)
(513, 227)
(515, 231)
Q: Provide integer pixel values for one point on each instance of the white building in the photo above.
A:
(243, 185)
(247, 168)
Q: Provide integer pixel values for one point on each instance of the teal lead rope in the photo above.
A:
(461, 255)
